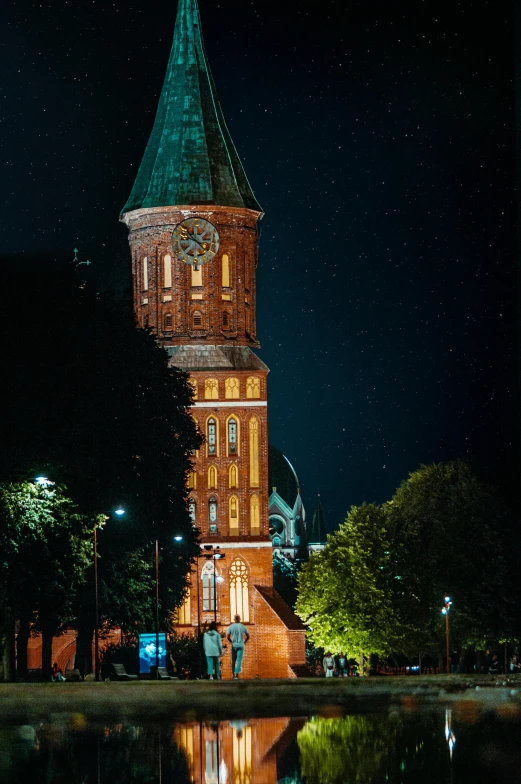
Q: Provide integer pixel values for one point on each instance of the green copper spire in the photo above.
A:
(190, 157)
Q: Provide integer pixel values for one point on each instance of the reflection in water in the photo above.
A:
(399, 747)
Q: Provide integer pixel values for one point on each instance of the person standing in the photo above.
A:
(328, 663)
(238, 635)
(213, 649)
(342, 666)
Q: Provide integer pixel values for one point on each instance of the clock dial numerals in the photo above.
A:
(195, 241)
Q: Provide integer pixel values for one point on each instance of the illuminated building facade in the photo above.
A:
(192, 219)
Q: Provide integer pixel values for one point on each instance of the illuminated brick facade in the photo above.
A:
(204, 315)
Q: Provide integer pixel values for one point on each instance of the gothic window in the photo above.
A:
(183, 614)
(212, 478)
(197, 319)
(233, 476)
(211, 389)
(254, 452)
(234, 515)
(232, 388)
(211, 436)
(255, 515)
(196, 277)
(192, 509)
(192, 480)
(193, 383)
(208, 580)
(225, 271)
(226, 320)
(212, 513)
(232, 436)
(253, 389)
(145, 274)
(239, 602)
(167, 272)
(167, 321)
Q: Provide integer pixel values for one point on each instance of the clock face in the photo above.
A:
(195, 241)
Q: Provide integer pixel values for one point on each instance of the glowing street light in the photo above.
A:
(445, 611)
(43, 481)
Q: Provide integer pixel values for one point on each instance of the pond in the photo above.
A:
(462, 745)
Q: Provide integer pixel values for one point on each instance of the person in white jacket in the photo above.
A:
(213, 649)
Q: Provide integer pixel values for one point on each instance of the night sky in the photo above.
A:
(379, 141)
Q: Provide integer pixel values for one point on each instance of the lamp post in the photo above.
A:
(445, 611)
(100, 521)
(178, 538)
(214, 554)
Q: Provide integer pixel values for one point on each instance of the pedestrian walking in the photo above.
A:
(213, 649)
(328, 663)
(238, 635)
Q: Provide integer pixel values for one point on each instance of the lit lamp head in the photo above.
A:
(178, 538)
(119, 511)
(43, 481)
(444, 611)
(447, 599)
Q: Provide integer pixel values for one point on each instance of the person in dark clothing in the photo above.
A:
(495, 665)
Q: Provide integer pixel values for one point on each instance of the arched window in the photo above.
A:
(145, 274)
(197, 319)
(212, 514)
(233, 429)
(233, 477)
(167, 272)
(167, 321)
(234, 515)
(208, 580)
(211, 389)
(183, 614)
(253, 389)
(239, 602)
(225, 271)
(254, 452)
(211, 436)
(192, 510)
(231, 388)
(192, 480)
(212, 478)
(255, 515)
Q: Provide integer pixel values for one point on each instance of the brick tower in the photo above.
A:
(192, 217)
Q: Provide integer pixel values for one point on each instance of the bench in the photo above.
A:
(164, 676)
(121, 673)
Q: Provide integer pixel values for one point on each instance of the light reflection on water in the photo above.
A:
(399, 746)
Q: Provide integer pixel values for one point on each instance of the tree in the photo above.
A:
(46, 552)
(345, 592)
(285, 574)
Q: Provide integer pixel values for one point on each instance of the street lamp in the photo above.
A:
(445, 611)
(177, 538)
(101, 519)
(213, 554)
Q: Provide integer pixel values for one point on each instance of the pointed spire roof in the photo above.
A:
(317, 531)
(190, 157)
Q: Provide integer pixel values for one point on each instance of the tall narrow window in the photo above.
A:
(192, 480)
(253, 389)
(234, 515)
(226, 320)
(183, 614)
(254, 452)
(226, 271)
(212, 478)
(211, 436)
(167, 272)
(212, 514)
(145, 274)
(242, 757)
(233, 477)
(255, 515)
(192, 510)
(167, 321)
(196, 276)
(239, 603)
(232, 436)
(193, 383)
(231, 389)
(208, 580)
(211, 389)
(197, 319)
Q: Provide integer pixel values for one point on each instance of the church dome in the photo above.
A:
(282, 475)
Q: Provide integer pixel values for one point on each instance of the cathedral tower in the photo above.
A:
(192, 218)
